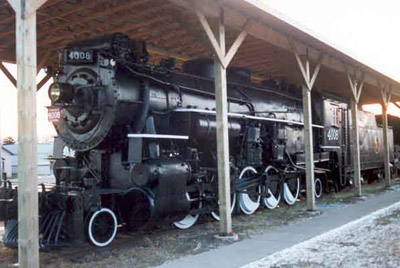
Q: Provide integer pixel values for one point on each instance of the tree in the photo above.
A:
(8, 140)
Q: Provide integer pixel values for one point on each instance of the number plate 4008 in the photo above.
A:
(54, 114)
(78, 56)
(333, 134)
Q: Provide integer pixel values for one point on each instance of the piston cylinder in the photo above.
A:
(161, 192)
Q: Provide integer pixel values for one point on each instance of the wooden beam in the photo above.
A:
(43, 59)
(14, 4)
(272, 35)
(236, 44)
(355, 148)
(386, 149)
(308, 83)
(55, 13)
(43, 81)
(100, 13)
(223, 57)
(8, 74)
(303, 71)
(386, 95)
(129, 22)
(39, 3)
(196, 36)
(33, 6)
(356, 87)
(214, 43)
(26, 10)
(309, 148)
(28, 224)
(1, 150)
(360, 89)
(356, 90)
(316, 70)
(84, 19)
(152, 49)
(12, 18)
(221, 96)
(220, 64)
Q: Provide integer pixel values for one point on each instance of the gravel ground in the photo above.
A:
(163, 243)
(372, 241)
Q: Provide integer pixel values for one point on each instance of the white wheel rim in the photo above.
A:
(91, 237)
(189, 220)
(272, 201)
(215, 215)
(290, 199)
(246, 204)
(318, 182)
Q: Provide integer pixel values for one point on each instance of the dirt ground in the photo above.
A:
(165, 243)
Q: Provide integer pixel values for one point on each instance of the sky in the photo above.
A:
(8, 107)
(365, 29)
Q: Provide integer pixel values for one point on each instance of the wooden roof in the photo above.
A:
(171, 29)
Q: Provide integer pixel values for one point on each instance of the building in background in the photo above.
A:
(45, 150)
(6, 159)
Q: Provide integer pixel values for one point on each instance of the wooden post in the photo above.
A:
(28, 229)
(307, 114)
(309, 148)
(221, 62)
(1, 150)
(224, 180)
(28, 241)
(356, 148)
(356, 90)
(386, 95)
(386, 153)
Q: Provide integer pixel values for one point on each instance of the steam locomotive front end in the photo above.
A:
(91, 95)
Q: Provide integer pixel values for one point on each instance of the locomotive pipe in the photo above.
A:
(145, 110)
(185, 88)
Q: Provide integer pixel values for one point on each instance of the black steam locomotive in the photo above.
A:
(144, 138)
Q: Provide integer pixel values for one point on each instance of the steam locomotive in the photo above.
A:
(144, 138)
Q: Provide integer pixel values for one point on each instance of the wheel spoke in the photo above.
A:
(189, 220)
(249, 201)
(289, 195)
(274, 189)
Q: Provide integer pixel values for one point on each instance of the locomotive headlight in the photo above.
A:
(61, 92)
(54, 92)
